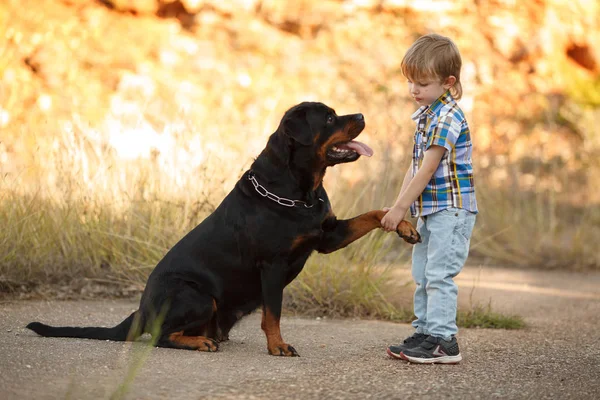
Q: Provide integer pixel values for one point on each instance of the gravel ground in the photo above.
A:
(556, 357)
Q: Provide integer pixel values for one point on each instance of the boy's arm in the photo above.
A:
(406, 181)
(414, 188)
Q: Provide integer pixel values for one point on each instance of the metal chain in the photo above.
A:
(279, 200)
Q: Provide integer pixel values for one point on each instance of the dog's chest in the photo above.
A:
(309, 235)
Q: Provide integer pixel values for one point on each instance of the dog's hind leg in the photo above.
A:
(181, 340)
(187, 324)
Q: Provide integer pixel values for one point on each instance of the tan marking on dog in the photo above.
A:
(200, 343)
(275, 343)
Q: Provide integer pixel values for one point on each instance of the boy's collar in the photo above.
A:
(434, 107)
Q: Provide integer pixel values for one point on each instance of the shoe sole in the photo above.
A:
(437, 360)
(394, 355)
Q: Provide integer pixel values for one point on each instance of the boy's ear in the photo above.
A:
(449, 82)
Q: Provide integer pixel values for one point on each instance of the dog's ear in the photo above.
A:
(295, 125)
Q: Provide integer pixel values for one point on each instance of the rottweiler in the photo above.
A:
(254, 244)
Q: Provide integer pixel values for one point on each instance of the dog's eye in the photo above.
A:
(330, 119)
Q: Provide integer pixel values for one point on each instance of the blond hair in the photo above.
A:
(433, 56)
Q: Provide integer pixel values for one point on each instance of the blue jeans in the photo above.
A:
(446, 236)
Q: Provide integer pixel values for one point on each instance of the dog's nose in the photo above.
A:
(359, 117)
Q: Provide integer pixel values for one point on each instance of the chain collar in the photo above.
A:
(279, 200)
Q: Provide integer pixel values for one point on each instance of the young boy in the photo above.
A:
(438, 188)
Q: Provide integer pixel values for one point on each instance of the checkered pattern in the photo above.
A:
(443, 124)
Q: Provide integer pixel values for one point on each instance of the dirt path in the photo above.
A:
(556, 357)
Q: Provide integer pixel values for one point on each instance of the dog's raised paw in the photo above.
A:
(408, 233)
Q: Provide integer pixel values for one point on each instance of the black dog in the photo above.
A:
(254, 244)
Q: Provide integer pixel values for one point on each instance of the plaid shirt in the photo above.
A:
(443, 124)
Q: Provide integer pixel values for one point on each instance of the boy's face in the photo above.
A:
(427, 91)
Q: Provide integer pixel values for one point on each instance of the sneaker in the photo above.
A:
(409, 343)
(434, 350)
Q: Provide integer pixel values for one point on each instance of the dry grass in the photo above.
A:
(533, 229)
(64, 234)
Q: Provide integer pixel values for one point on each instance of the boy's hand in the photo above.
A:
(393, 217)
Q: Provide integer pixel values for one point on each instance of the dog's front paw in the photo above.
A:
(407, 232)
(283, 349)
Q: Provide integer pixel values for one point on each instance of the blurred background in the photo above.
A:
(123, 123)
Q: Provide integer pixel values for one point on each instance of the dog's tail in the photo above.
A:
(120, 332)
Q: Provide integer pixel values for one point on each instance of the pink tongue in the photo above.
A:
(358, 147)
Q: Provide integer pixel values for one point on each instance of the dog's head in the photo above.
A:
(318, 136)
